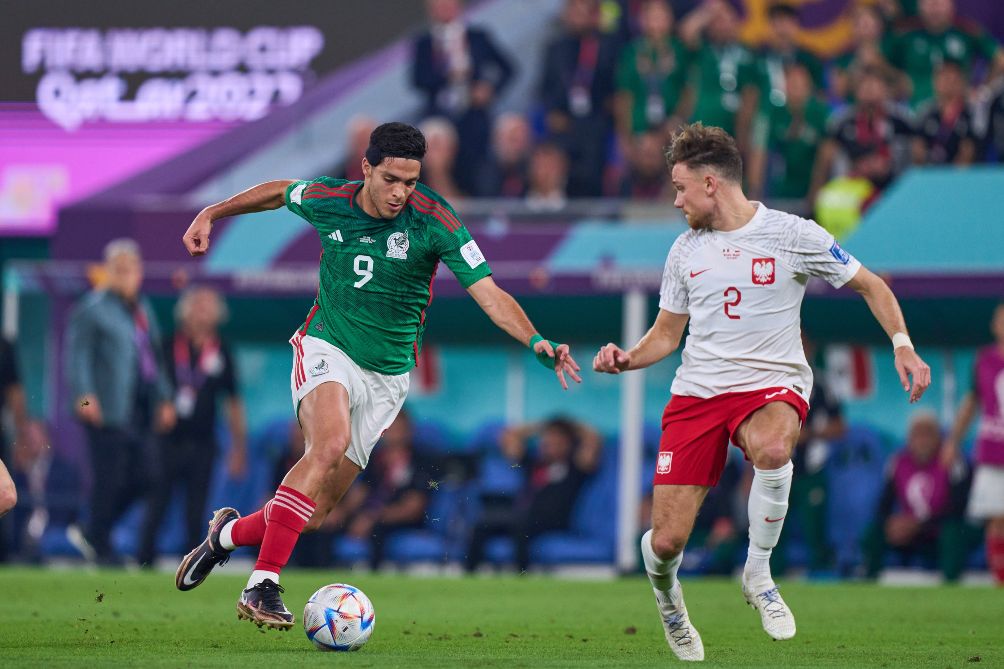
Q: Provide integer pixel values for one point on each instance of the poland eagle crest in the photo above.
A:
(763, 271)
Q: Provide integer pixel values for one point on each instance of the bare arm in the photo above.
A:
(885, 308)
(822, 167)
(662, 339)
(263, 197)
(967, 411)
(506, 313)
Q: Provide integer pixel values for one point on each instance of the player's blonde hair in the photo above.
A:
(698, 145)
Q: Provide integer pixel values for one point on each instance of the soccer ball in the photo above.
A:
(338, 617)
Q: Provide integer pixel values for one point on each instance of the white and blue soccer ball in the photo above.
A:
(338, 617)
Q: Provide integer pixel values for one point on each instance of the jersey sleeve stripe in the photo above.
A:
(312, 187)
(430, 203)
(436, 213)
(318, 196)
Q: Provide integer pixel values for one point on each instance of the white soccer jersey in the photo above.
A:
(743, 292)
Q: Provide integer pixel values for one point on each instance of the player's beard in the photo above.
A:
(387, 216)
(700, 221)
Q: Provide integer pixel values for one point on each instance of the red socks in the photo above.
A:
(995, 557)
(285, 517)
(250, 530)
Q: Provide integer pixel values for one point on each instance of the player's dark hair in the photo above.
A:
(395, 140)
(698, 145)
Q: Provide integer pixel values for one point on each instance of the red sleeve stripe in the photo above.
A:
(437, 213)
(431, 204)
(312, 187)
(318, 196)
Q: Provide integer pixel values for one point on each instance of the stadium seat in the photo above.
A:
(854, 474)
(591, 536)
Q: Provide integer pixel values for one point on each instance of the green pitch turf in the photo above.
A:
(124, 619)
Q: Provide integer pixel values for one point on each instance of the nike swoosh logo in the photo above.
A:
(773, 520)
(775, 394)
(693, 273)
(185, 579)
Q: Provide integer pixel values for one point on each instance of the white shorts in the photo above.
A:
(986, 498)
(374, 399)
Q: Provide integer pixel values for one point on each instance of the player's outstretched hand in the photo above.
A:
(611, 359)
(196, 238)
(910, 367)
(564, 363)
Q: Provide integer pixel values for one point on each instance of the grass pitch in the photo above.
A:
(124, 619)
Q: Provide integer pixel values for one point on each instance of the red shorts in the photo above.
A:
(696, 433)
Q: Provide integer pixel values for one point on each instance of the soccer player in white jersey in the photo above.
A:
(738, 276)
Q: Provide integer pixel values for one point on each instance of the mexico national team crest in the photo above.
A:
(763, 271)
(665, 462)
(397, 245)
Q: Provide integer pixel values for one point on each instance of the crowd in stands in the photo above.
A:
(918, 85)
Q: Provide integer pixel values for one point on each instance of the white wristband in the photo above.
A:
(901, 339)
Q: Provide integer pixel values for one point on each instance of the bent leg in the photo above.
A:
(768, 435)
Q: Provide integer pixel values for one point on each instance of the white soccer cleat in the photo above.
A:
(778, 621)
(681, 636)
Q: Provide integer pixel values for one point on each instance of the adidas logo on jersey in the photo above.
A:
(336, 235)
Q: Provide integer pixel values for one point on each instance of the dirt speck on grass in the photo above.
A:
(100, 597)
(975, 658)
(631, 630)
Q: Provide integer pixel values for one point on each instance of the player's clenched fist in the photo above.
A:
(611, 359)
(196, 238)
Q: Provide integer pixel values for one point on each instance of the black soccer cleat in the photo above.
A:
(263, 606)
(196, 566)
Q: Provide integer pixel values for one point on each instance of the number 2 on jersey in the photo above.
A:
(363, 266)
(734, 303)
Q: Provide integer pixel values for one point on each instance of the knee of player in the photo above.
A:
(667, 545)
(772, 453)
(328, 453)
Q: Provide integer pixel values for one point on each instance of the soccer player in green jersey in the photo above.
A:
(382, 241)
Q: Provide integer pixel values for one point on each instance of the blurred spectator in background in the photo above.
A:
(807, 503)
(870, 45)
(12, 399)
(30, 470)
(567, 453)
(505, 173)
(986, 504)
(647, 177)
(121, 388)
(725, 70)
(360, 128)
(921, 507)
(873, 131)
(993, 148)
(440, 157)
(945, 132)
(781, 50)
(939, 37)
(652, 77)
(461, 71)
(577, 93)
(546, 191)
(391, 494)
(202, 371)
(785, 141)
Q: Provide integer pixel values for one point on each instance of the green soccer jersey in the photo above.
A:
(655, 78)
(919, 52)
(792, 141)
(376, 274)
(723, 73)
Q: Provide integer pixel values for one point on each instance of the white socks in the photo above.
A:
(259, 575)
(662, 573)
(226, 536)
(768, 505)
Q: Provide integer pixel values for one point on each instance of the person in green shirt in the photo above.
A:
(652, 76)
(870, 47)
(939, 37)
(382, 240)
(785, 140)
(724, 70)
(780, 50)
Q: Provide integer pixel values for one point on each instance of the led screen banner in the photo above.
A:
(93, 92)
